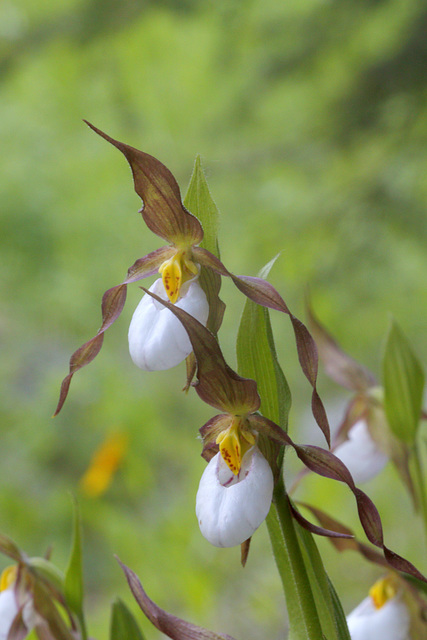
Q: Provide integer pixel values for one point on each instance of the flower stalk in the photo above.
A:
(303, 614)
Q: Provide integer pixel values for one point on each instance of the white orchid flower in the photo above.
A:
(229, 506)
(381, 616)
(157, 339)
(361, 454)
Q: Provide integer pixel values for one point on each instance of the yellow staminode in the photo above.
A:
(8, 577)
(175, 272)
(105, 462)
(233, 444)
(382, 591)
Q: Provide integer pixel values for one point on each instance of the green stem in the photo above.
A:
(303, 616)
(421, 487)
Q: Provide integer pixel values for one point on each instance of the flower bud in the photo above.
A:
(157, 339)
(360, 453)
(231, 507)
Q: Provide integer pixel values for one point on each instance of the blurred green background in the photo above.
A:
(311, 120)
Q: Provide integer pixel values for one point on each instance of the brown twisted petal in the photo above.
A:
(113, 302)
(217, 384)
(170, 625)
(339, 366)
(324, 463)
(264, 294)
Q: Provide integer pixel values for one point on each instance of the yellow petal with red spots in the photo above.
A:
(171, 272)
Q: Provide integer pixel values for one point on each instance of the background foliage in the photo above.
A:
(311, 119)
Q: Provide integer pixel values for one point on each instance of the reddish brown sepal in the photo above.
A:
(163, 211)
(166, 623)
(217, 384)
(210, 431)
(264, 294)
(339, 366)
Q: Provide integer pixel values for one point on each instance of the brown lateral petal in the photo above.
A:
(162, 210)
(46, 608)
(324, 463)
(9, 548)
(339, 366)
(210, 431)
(264, 294)
(18, 630)
(113, 302)
(349, 542)
(170, 625)
(217, 385)
(320, 531)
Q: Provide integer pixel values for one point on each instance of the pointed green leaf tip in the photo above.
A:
(73, 583)
(403, 380)
(123, 624)
(199, 201)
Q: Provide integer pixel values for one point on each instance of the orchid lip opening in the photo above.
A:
(175, 272)
(233, 444)
(381, 592)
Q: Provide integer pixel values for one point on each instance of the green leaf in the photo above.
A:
(303, 615)
(199, 201)
(403, 379)
(257, 359)
(73, 583)
(123, 625)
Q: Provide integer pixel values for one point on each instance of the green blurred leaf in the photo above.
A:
(257, 359)
(123, 624)
(403, 379)
(73, 583)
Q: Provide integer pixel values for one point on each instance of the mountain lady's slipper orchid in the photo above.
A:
(361, 454)
(157, 339)
(365, 440)
(230, 507)
(383, 615)
(234, 433)
(165, 215)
